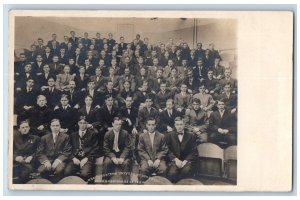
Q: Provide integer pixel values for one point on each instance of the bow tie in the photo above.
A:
(179, 133)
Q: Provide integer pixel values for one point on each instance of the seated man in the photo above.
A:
(152, 150)
(182, 152)
(145, 113)
(183, 99)
(84, 148)
(228, 80)
(197, 121)
(222, 126)
(54, 150)
(167, 117)
(24, 152)
(206, 100)
(162, 96)
(63, 80)
(116, 148)
(229, 98)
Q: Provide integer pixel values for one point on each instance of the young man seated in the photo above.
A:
(24, 152)
(84, 149)
(152, 149)
(117, 151)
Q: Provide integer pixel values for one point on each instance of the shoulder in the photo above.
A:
(48, 135)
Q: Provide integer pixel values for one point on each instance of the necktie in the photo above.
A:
(115, 147)
(97, 78)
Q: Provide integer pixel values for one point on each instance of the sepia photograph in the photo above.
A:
(108, 101)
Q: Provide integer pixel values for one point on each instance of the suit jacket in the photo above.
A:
(219, 70)
(74, 98)
(88, 144)
(66, 117)
(192, 83)
(129, 78)
(185, 150)
(132, 116)
(181, 101)
(61, 150)
(212, 85)
(200, 73)
(96, 97)
(205, 99)
(105, 117)
(161, 99)
(40, 116)
(144, 114)
(91, 117)
(42, 80)
(230, 102)
(52, 97)
(124, 145)
(158, 151)
(100, 83)
(38, 67)
(25, 98)
(174, 82)
(225, 122)
(81, 82)
(193, 119)
(231, 81)
(165, 120)
(155, 82)
(56, 68)
(25, 145)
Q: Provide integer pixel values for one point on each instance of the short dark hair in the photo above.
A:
(150, 119)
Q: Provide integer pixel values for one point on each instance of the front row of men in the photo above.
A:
(57, 154)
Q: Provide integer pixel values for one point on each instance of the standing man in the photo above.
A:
(116, 150)
(84, 148)
(152, 150)
(182, 152)
(53, 151)
(24, 152)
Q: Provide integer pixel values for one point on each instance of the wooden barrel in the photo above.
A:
(157, 180)
(39, 181)
(72, 180)
(189, 181)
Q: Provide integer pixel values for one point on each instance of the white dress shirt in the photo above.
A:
(151, 135)
(116, 141)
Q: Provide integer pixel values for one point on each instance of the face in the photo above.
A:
(173, 72)
(66, 39)
(110, 85)
(153, 53)
(126, 85)
(184, 62)
(143, 72)
(88, 101)
(217, 61)
(91, 85)
(151, 126)
(82, 125)
(126, 71)
(199, 62)
(81, 70)
(117, 124)
(41, 101)
(113, 62)
(163, 87)
(179, 125)
(72, 33)
(221, 105)
(145, 86)
(148, 103)
(55, 126)
(183, 88)
(98, 72)
(39, 58)
(122, 40)
(30, 83)
(67, 70)
(227, 88)
(87, 62)
(155, 62)
(141, 61)
(202, 89)
(64, 101)
(196, 106)
(40, 42)
(22, 57)
(27, 68)
(210, 74)
(158, 73)
(109, 101)
(101, 62)
(111, 71)
(199, 45)
(24, 128)
(128, 101)
(51, 82)
(169, 105)
(227, 73)
(72, 85)
(55, 59)
(71, 61)
(170, 63)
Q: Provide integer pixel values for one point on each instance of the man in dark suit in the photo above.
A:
(199, 53)
(47, 55)
(222, 125)
(218, 70)
(74, 95)
(85, 40)
(25, 144)
(227, 79)
(51, 93)
(116, 148)
(84, 149)
(167, 117)
(121, 46)
(42, 79)
(91, 91)
(146, 112)
(25, 75)
(54, 150)
(229, 98)
(153, 151)
(162, 96)
(37, 67)
(182, 152)
(98, 79)
(53, 43)
(212, 85)
(191, 82)
(129, 115)
(40, 47)
(55, 66)
(200, 71)
(73, 39)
